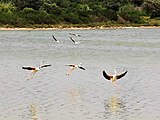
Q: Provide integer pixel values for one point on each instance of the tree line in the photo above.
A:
(23, 13)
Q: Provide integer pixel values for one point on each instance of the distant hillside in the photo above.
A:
(79, 13)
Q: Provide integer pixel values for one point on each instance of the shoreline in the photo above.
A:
(78, 28)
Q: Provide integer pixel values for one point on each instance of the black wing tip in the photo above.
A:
(47, 65)
(23, 67)
(27, 68)
(105, 75)
(122, 75)
(72, 39)
(82, 68)
(54, 38)
(125, 72)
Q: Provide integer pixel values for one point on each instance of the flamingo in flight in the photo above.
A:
(74, 41)
(115, 76)
(73, 67)
(35, 69)
(54, 38)
(74, 34)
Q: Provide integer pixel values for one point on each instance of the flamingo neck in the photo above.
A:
(115, 71)
(80, 64)
(41, 63)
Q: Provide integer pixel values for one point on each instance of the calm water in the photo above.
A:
(84, 95)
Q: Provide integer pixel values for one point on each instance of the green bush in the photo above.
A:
(152, 8)
(131, 14)
(110, 14)
(7, 15)
(24, 13)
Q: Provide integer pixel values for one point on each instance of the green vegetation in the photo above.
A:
(79, 13)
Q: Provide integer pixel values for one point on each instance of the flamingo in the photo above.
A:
(74, 41)
(35, 69)
(75, 34)
(55, 39)
(73, 67)
(115, 76)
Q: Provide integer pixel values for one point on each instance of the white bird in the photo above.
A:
(74, 41)
(35, 69)
(78, 35)
(115, 76)
(55, 39)
(73, 67)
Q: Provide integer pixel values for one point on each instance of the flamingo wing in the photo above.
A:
(71, 33)
(71, 65)
(81, 68)
(28, 68)
(107, 76)
(54, 38)
(72, 39)
(75, 34)
(46, 65)
(121, 75)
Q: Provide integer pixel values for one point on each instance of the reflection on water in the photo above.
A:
(114, 107)
(33, 111)
(74, 94)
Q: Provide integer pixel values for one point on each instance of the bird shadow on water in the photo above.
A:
(115, 108)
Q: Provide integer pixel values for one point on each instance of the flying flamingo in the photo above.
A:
(74, 34)
(115, 76)
(35, 69)
(55, 39)
(73, 67)
(74, 41)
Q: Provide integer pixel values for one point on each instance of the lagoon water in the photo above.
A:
(84, 95)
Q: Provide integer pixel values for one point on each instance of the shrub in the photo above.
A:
(130, 13)
(152, 8)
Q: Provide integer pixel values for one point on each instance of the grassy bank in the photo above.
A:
(99, 25)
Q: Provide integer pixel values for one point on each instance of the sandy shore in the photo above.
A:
(78, 28)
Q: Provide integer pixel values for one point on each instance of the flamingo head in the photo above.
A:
(80, 64)
(115, 68)
(42, 61)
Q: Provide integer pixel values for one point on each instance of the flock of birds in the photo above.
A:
(113, 78)
(71, 38)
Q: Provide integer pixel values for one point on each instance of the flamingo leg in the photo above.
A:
(116, 85)
(69, 72)
(29, 76)
(32, 75)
